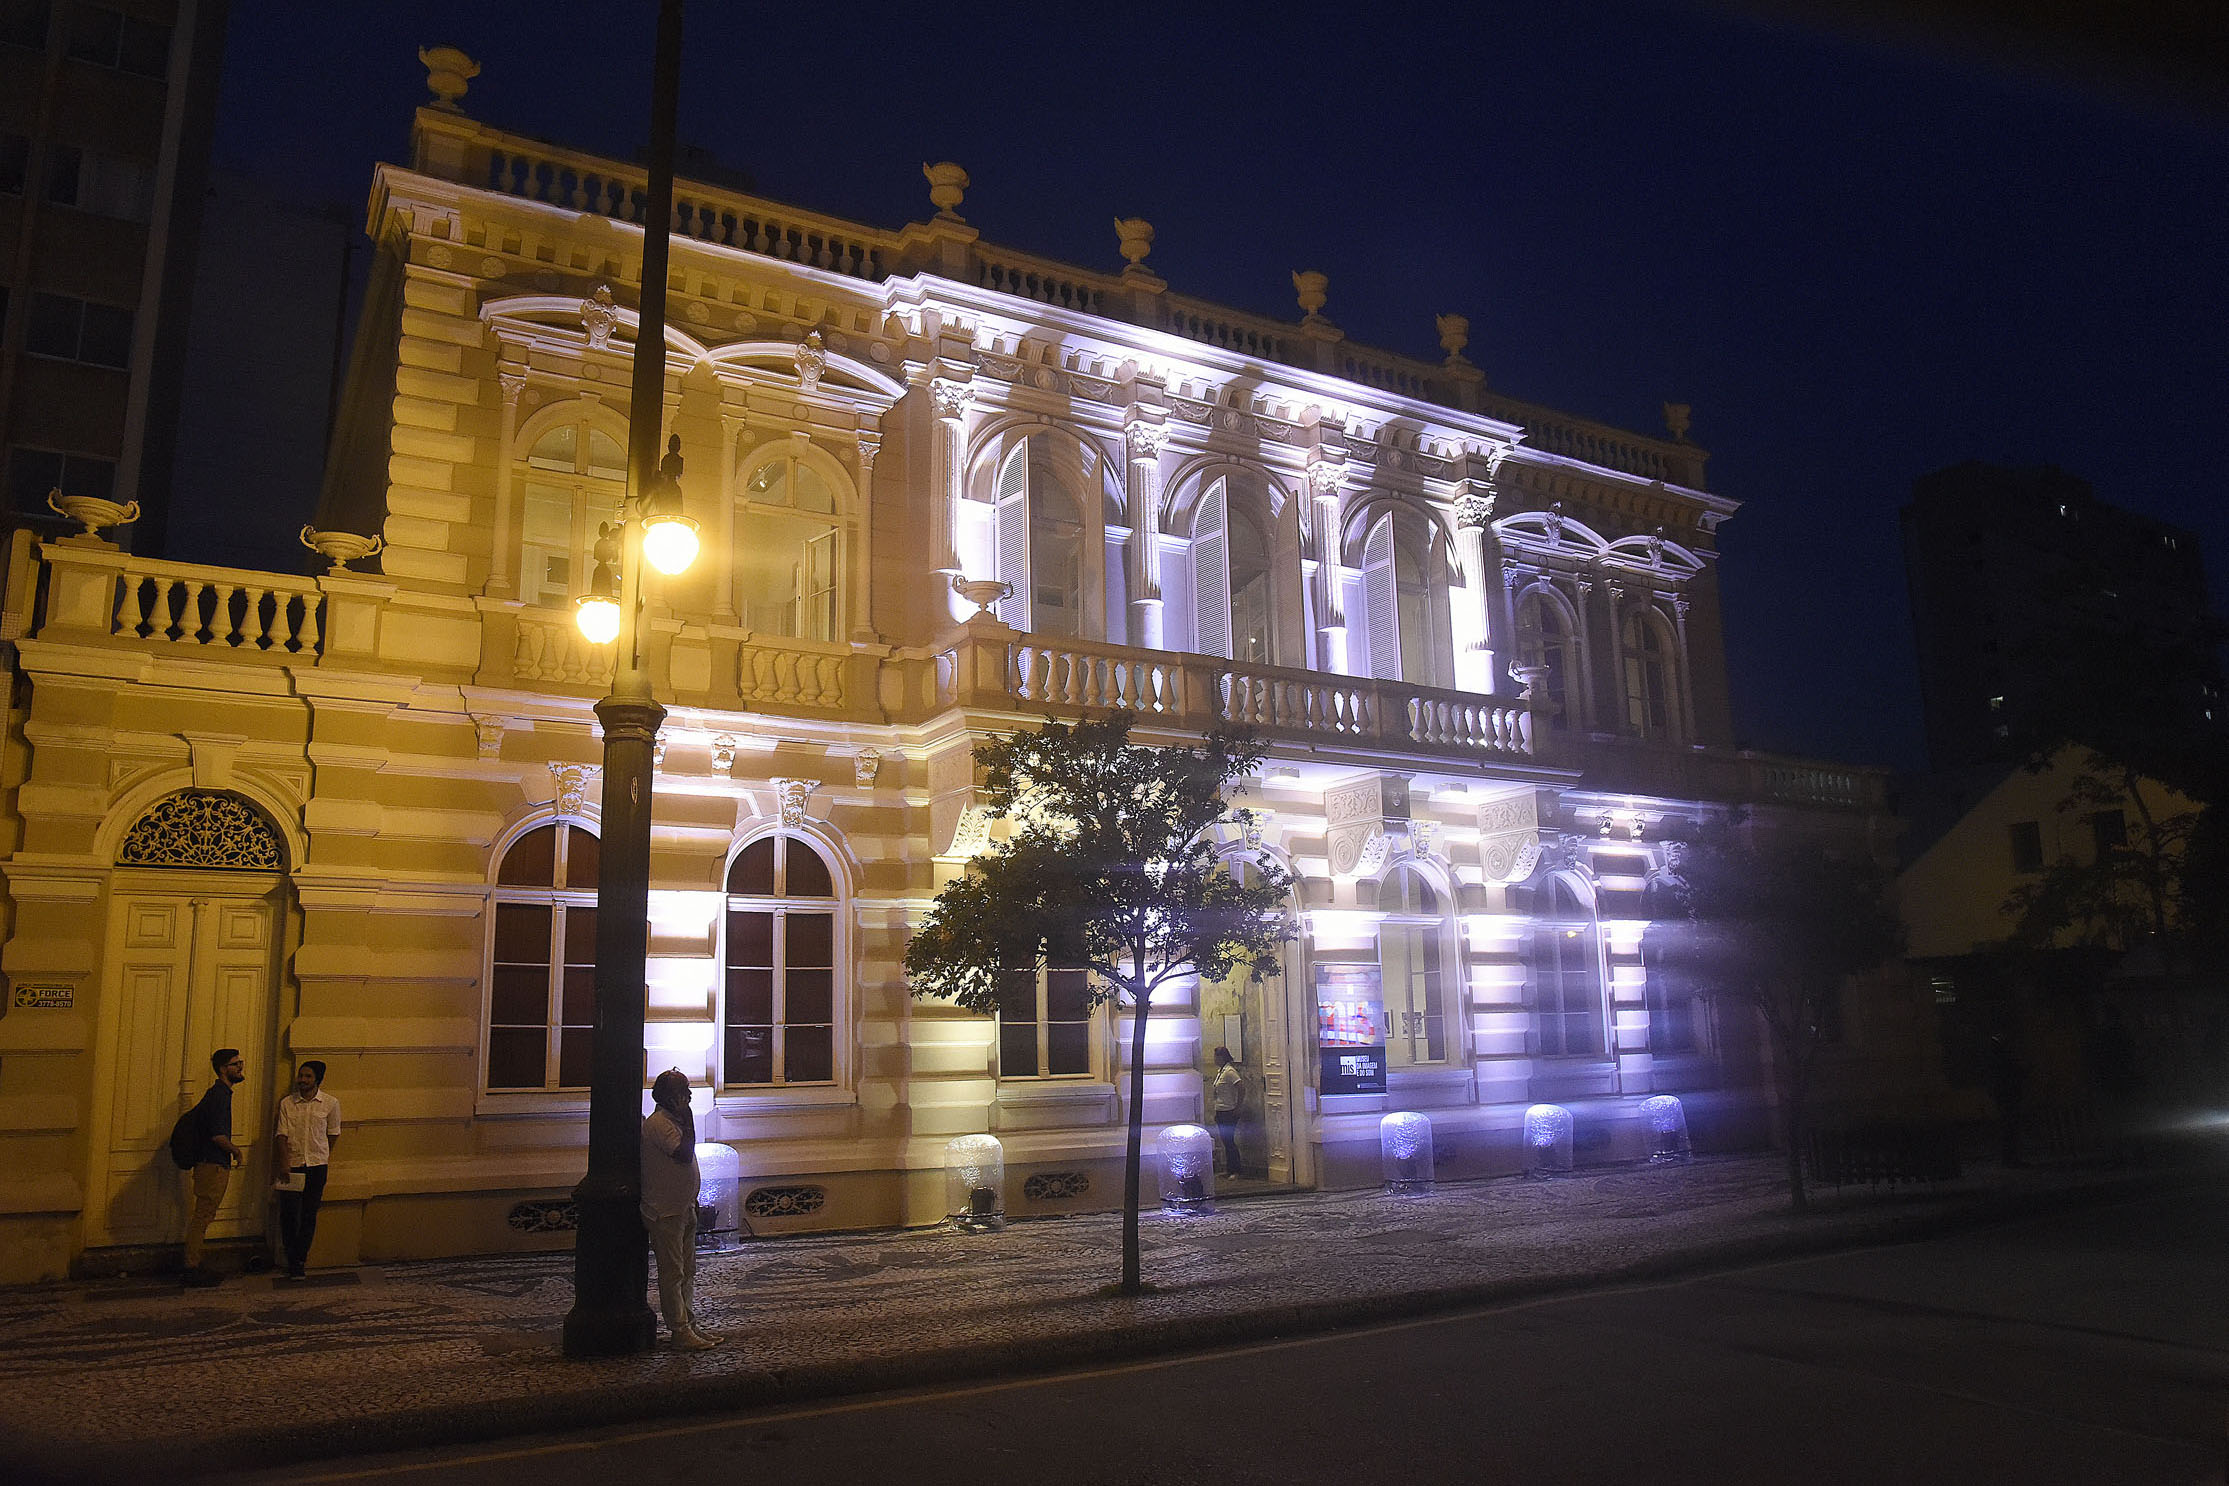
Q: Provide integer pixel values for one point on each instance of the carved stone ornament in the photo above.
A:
(723, 752)
(972, 833)
(1508, 831)
(951, 398)
(488, 732)
(1680, 605)
(1656, 548)
(1363, 819)
(1475, 508)
(865, 765)
(947, 188)
(448, 73)
(571, 781)
(598, 315)
(1420, 836)
(869, 446)
(1135, 234)
(1147, 440)
(1553, 520)
(1325, 476)
(812, 362)
(792, 794)
(201, 828)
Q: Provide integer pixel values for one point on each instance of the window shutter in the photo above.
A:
(1211, 575)
(1013, 536)
(1381, 601)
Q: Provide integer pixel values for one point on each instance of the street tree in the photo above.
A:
(2129, 889)
(1773, 931)
(1108, 866)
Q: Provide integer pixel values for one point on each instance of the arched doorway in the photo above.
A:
(1251, 1016)
(196, 909)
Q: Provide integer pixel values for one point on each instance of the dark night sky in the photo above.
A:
(1859, 262)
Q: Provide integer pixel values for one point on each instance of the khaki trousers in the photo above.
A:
(674, 1242)
(209, 1183)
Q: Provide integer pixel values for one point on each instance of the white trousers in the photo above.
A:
(674, 1242)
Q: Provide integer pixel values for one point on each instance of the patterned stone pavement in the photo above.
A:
(407, 1354)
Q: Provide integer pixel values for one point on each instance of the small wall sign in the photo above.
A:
(44, 998)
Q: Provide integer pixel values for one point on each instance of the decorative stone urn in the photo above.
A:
(947, 186)
(340, 548)
(91, 512)
(448, 73)
(1136, 236)
(983, 593)
(1312, 287)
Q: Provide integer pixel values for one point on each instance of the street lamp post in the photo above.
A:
(611, 1313)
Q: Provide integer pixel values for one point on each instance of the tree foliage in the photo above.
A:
(1108, 864)
(2128, 890)
(1774, 931)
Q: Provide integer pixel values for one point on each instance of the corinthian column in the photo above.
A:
(723, 524)
(1324, 479)
(511, 377)
(1146, 441)
(1480, 555)
(949, 456)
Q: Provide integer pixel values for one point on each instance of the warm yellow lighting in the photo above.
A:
(669, 543)
(598, 618)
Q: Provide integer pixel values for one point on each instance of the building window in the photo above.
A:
(1545, 639)
(1671, 1000)
(1405, 596)
(786, 557)
(32, 473)
(1567, 976)
(1230, 578)
(779, 1016)
(573, 479)
(105, 185)
(77, 330)
(109, 38)
(542, 961)
(1045, 1014)
(1648, 677)
(2027, 845)
(1412, 969)
(23, 23)
(2108, 831)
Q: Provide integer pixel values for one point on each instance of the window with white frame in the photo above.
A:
(1405, 597)
(779, 1011)
(1411, 965)
(542, 961)
(1566, 972)
(1041, 538)
(1648, 676)
(1545, 639)
(786, 558)
(1231, 605)
(571, 480)
(1045, 1014)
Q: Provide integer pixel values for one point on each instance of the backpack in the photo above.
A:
(185, 1140)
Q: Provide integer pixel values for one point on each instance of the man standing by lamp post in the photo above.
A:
(611, 1314)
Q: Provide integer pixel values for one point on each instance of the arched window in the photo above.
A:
(779, 1008)
(1411, 955)
(1041, 537)
(1566, 974)
(1230, 577)
(1648, 677)
(542, 961)
(786, 558)
(1404, 586)
(572, 479)
(1544, 639)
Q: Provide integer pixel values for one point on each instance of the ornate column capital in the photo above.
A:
(1146, 439)
(870, 444)
(1680, 605)
(512, 384)
(1326, 476)
(951, 398)
(1474, 507)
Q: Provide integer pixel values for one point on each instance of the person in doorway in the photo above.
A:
(308, 1129)
(212, 1171)
(670, 1185)
(1228, 1093)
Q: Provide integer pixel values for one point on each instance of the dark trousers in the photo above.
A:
(298, 1215)
(1226, 1130)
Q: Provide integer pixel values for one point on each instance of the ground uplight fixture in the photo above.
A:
(1667, 1121)
(1547, 1140)
(975, 1183)
(1186, 1156)
(720, 1201)
(1405, 1151)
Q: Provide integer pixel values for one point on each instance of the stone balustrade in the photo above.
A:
(98, 592)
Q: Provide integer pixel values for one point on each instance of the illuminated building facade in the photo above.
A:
(946, 489)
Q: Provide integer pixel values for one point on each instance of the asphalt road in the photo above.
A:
(2088, 1348)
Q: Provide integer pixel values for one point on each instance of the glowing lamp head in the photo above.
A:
(669, 543)
(598, 618)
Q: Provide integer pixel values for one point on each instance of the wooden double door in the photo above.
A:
(192, 966)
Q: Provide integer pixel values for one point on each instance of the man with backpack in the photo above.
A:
(208, 1137)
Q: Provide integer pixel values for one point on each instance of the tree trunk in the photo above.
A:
(1131, 1281)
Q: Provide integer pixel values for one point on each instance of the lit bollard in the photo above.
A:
(975, 1183)
(1186, 1154)
(1405, 1151)
(1667, 1130)
(1547, 1140)
(720, 1198)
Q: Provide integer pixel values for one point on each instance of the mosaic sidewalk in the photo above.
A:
(412, 1354)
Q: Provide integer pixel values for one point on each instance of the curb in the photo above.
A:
(666, 1398)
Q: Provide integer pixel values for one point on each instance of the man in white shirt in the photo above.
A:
(670, 1185)
(309, 1127)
